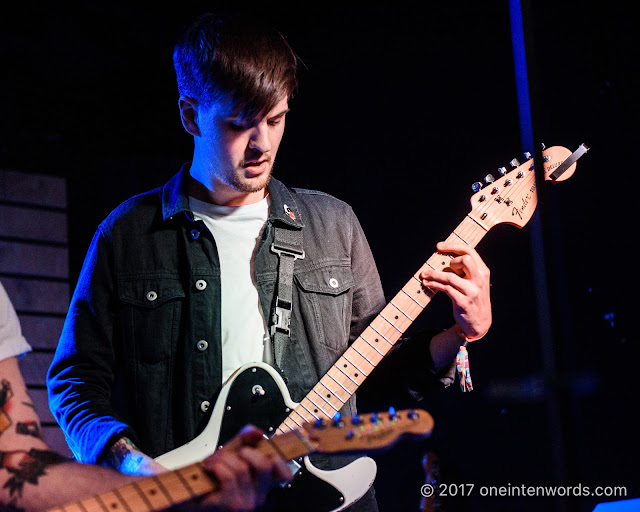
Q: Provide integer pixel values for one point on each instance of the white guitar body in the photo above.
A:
(247, 397)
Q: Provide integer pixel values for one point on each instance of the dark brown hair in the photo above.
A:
(236, 60)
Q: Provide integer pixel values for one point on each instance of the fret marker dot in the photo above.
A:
(376, 340)
(328, 395)
(356, 375)
(396, 317)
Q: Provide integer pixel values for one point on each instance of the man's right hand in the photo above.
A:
(245, 474)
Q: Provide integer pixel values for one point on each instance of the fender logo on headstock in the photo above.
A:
(525, 202)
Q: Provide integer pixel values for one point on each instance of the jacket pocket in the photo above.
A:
(151, 309)
(325, 295)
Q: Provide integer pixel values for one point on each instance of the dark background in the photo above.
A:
(400, 109)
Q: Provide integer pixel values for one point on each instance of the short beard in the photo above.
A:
(251, 186)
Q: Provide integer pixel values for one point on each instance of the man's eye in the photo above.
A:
(237, 127)
(275, 122)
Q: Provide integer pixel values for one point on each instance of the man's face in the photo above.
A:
(234, 158)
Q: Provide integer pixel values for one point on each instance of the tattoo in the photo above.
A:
(26, 467)
(29, 428)
(117, 453)
(10, 507)
(5, 395)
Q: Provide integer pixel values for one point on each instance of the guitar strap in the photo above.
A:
(288, 246)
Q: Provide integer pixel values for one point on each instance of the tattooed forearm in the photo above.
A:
(5, 395)
(29, 428)
(118, 453)
(26, 467)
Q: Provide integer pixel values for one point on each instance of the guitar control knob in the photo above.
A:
(258, 390)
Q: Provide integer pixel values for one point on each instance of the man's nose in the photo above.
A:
(259, 138)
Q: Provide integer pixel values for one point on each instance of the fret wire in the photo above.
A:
(348, 376)
(389, 342)
(467, 243)
(143, 495)
(304, 420)
(392, 324)
(371, 345)
(324, 399)
(333, 393)
(412, 298)
(185, 483)
(317, 406)
(162, 488)
(122, 500)
(356, 366)
(339, 383)
(401, 311)
(363, 357)
(101, 503)
(305, 408)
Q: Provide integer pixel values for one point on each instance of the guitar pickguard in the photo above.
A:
(256, 394)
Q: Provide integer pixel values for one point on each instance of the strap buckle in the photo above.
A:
(281, 317)
(297, 254)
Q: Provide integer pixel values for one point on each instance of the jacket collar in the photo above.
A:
(175, 199)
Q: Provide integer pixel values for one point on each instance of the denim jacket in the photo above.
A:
(140, 351)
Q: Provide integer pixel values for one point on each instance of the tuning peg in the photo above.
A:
(489, 178)
(355, 419)
(413, 414)
(502, 171)
(392, 413)
(543, 146)
(476, 186)
(374, 418)
(514, 163)
(526, 155)
(336, 420)
(319, 423)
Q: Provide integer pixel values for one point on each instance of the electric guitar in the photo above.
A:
(360, 433)
(257, 394)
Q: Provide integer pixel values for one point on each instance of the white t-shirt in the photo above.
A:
(237, 231)
(12, 342)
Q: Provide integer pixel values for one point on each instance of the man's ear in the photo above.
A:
(189, 115)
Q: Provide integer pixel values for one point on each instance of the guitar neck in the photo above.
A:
(348, 373)
(163, 491)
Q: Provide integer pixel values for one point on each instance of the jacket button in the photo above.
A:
(202, 345)
(195, 233)
(333, 282)
(204, 406)
(151, 296)
(201, 284)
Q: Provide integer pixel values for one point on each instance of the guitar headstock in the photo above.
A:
(511, 196)
(368, 432)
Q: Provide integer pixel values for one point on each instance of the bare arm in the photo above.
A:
(32, 477)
